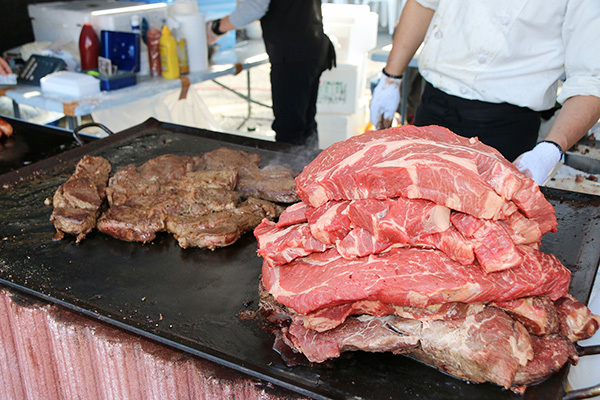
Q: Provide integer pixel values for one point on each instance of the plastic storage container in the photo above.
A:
(122, 48)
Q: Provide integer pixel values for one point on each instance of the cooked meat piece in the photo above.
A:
(226, 157)
(167, 167)
(219, 229)
(77, 202)
(127, 183)
(168, 193)
(273, 183)
(208, 179)
(210, 230)
(132, 224)
(74, 221)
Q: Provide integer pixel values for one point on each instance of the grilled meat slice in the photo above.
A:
(219, 229)
(273, 182)
(77, 202)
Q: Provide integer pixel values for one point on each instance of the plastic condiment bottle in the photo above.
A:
(143, 56)
(168, 54)
(154, 52)
(182, 56)
(89, 47)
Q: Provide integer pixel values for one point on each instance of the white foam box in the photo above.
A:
(334, 128)
(352, 29)
(70, 84)
(341, 88)
(62, 20)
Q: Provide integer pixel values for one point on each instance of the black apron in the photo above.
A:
(510, 129)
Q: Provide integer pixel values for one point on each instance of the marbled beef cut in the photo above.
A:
(416, 241)
(429, 163)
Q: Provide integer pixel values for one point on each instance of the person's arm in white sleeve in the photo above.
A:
(245, 12)
(580, 93)
(577, 115)
(409, 35)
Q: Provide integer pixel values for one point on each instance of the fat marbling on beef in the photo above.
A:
(417, 241)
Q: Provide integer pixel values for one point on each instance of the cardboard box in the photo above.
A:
(341, 88)
(333, 128)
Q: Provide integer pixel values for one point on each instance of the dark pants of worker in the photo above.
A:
(510, 129)
(294, 90)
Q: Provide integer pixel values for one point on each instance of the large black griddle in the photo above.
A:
(33, 142)
(190, 299)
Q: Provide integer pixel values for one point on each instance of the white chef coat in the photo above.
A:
(513, 51)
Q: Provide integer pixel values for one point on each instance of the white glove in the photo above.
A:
(211, 37)
(538, 162)
(385, 101)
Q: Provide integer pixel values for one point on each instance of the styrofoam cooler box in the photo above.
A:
(334, 128)
(70, 84)
(62, 20)
(351, 28)
(341, 88)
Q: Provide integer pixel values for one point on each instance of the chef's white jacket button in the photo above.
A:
(438, 35)
(505, 20)
(463, 90)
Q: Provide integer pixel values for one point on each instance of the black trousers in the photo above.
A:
(510, 129)
(294, 90)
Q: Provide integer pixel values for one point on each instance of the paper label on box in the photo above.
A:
(332, 92)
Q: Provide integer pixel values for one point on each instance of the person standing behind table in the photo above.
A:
(299, 51)
(491, 67)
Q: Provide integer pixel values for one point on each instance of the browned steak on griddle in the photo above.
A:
(193, 198)
(77, 202)
(273, 182)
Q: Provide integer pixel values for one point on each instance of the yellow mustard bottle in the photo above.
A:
(168, 54)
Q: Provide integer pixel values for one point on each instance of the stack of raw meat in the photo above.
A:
(420, 242)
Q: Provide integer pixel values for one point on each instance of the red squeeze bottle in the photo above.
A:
(89, 47)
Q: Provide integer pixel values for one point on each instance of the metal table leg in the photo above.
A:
(16, 110)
